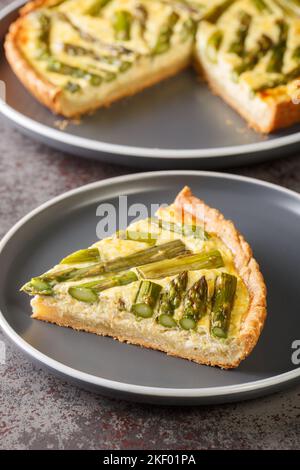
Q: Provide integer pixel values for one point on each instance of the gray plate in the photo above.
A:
(176, 124)
(267, 215)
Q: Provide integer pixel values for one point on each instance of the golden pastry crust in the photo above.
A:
(246, 266)
(53, 96)
(217, 354)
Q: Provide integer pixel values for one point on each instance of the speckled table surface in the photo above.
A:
(39, 411)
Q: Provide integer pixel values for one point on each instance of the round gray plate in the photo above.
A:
(267, 215)
(177, 124)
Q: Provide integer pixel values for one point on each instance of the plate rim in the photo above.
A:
(142, 152)
(133, 389)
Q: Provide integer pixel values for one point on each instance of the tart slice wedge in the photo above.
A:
(183, 282)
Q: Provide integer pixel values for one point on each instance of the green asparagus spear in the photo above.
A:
(189, 29)
(90, 255)
(96, 7)
(117, 62)
(166, 320)
(141, 14)
(264, 44)
(76, 72)
(188, 323)
(238, 45)
(222, 304)
(262, 6)
(37, 286)
(146, 299)
(171, 298)
(171, 267)
(296, 53)
(143, 237)
(83, 294)
(213, 45)
(122, 25)
(88, 292)
(72, 87)
(276, 61)
(270, 83)
(165, 35)
(186, 230)
(217, 11)
(150, 255)
(43, 41)
(195, 301)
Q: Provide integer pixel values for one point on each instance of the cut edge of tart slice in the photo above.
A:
(197, 293)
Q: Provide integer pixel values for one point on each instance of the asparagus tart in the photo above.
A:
(183, 282)
(78, 55)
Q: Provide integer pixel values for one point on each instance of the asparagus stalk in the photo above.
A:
(276, 61)
(133, 235)
(189, 29)
(213, 45)
(167, 321)
(296, 53)
(88, 292)
(262, 6)
(172, 297)
(146, 299)
(165, 35)
(90, 255)
(264, 44)
(238, 45)
(213, 15)
(188, 323)
(150, 255)
(182, 229)
(222, 304)
(96, 7)
(141, 14)
(38, 286)
(76, 72)
(75, 51)
(43, 42)
(171, 267)
(122, 25)
(72, 87)
(195, 301)
(271, 83)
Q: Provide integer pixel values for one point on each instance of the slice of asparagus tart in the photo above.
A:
(183, 282)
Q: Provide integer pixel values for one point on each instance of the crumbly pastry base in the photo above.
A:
(208, 351)
(216, 355)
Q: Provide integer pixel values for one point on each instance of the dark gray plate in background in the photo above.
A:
(267, 215)
(178, 123)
